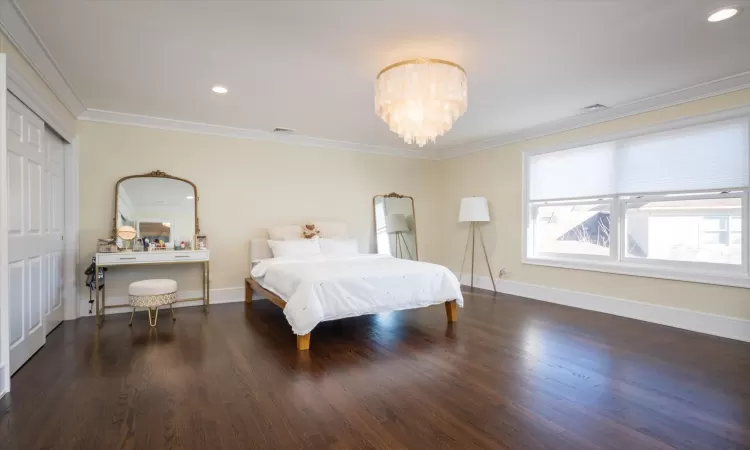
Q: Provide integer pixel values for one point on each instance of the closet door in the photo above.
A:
(28, 240)
(53, 228)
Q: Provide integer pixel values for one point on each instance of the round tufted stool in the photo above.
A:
(152, 294)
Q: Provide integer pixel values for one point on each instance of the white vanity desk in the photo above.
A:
(112, 260)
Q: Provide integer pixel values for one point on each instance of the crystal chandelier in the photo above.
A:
(420, 98)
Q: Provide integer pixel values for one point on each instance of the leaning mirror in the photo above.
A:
(396, 226)
(158, 206)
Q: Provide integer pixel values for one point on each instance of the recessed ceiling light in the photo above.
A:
(189, 197)
(220, 89)
(724, 13)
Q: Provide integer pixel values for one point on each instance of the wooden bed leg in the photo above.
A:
(451, 310)
(248, 293)
(303, 342)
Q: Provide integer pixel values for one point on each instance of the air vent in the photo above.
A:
(283, 130)
(596, 107)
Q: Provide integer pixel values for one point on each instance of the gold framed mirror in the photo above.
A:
(395, 226)
(158, 206)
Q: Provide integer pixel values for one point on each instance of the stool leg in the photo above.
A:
(156, 316)
(172, 309)
(131, 317)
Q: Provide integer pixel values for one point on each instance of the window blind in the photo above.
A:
(712, 156)
(579, 172)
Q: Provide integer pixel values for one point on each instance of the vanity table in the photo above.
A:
(163, 210)
(120, 259)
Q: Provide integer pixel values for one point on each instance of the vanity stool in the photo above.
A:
(152, 294)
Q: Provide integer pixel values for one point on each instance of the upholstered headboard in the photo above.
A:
(259, 248)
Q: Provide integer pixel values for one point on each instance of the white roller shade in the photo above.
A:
(706, 157)
(579, 172)
(712, 156)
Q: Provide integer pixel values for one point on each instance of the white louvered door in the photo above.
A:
(29, 245)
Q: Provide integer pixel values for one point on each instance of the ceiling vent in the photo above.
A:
(280, 130)
(595, 107)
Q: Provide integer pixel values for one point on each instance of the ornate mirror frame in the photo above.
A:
(413, 211)
(154, 174)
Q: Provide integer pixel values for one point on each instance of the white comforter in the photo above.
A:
(321, 288)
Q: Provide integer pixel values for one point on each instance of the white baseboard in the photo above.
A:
(218, 296)
(724, 326)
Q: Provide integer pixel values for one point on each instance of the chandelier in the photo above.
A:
(420, 98)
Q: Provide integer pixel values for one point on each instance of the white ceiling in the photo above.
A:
(310, 65)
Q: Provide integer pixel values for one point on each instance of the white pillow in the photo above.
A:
(285, 233)
(295, 248)
(339, 247)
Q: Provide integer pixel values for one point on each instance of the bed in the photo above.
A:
(317, 288)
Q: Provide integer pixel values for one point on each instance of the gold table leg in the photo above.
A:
(96, 295)
(104, 300)
(206, 286)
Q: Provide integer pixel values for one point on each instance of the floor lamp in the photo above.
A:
(396, 224)
(475, 210)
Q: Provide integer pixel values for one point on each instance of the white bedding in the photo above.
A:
(320, 288)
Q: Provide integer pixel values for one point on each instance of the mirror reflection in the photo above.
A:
(395, 226)
(159, 208)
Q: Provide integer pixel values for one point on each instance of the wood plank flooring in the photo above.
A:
(511, 373)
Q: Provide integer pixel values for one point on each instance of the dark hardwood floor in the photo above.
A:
(512, 373)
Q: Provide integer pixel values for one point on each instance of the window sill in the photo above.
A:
(649, 271)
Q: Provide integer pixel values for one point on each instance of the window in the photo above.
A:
(688, 230)
(669, 204)
(581, 228)
(381, 233)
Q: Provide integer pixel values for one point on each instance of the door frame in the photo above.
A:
(12, 80)
(4, 307)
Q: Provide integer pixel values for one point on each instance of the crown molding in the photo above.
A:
(21, 88)
(98, 115)
(20, 32)
(673, 98)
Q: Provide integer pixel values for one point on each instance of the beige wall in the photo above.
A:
(496, 174)
(244, 187)
(19, 63)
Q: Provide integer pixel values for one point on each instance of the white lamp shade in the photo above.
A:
(396, 223)
(474, 209)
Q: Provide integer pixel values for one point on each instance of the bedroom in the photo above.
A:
(621, 316)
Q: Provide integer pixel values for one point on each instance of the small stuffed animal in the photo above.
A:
(310, 231)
